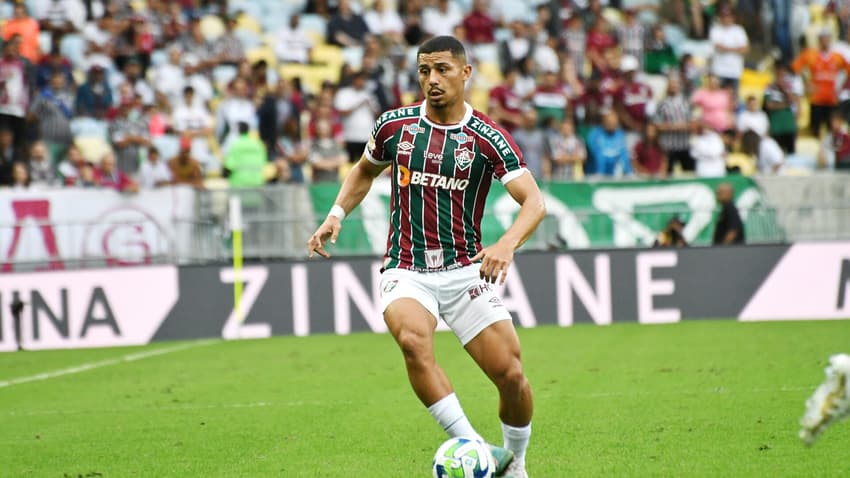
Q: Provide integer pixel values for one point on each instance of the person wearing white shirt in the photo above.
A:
(358, 108)
(192, 120)
(292, 43)
(769, 155)
(153, 172)
(168, 77)
(753, 118)
(441, 18)
(234, 109)
(730, 45)
(709, 152)
(384, 21)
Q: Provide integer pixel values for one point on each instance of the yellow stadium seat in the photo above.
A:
(312, 76)
(479, 98)
(327, 55)
(93, 148)
(212, 27)
(744, 162)
(807, 146)
(247, 22)
(262, 53)
(756, 79)
(803, 114)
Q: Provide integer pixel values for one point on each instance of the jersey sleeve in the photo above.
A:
(504, 155)
(374, 151)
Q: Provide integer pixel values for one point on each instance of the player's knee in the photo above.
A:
(511, 377)
(414, 346)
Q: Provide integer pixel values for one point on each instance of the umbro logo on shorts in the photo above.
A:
(497, 302)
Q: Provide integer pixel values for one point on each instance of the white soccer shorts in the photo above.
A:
(460, 297)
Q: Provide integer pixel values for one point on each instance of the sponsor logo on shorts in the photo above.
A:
(390, 285)
(463, 158)
(413, 128)
(479, 289)
(434, 258)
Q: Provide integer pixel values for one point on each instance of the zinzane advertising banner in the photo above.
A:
(135, 305)
(55, 226)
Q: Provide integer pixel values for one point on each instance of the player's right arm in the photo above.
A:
(353, 190)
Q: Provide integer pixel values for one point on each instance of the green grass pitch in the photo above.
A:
(706, 398)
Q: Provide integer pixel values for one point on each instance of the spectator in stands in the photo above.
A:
(52, 112)
(526, 82)
(358, 108)
(550, 99)
(292, 152)
(441, 17)
(192, 120)
(708, 150)
(717, 104)
(672, 235)
(505, 105)
(691, 74)
(132, 75)
(592, 10)
(672, 118)
(385, 22)
(73, 169)
(14, 94)
(564, 151)
(517, 48)
(235, 108)
(292, 43)
(153, 172)
(194, 41)
(129, 134)
(52, 63)
(411, 15)
(94, 97)
(648, 157)
(780, 103)
(375, 66)
(729, 228)
(730, 45)
(7, 156)
(631, 35)
(169, 77)
(346, 28)
(40, 168)
(660, 58)
(609, 154)
(326, 156)
(599, 42)
(228, 49)
(245, 159)
(546, 56)
(59, 17)
(836, 143)
(753, 118)
(823, 66)
(28, 29)
(479, 24)
(184, 168)
(631, 100)
(531, 141)
(20, 176)
(574, 41)
(107, 175)
(197, 79)
(766, 151)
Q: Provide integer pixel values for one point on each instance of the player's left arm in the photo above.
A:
(496, 259)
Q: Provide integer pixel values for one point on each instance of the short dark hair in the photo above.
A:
(443, 43)
(243, 127)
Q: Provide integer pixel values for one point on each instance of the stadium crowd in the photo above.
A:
(130, 94)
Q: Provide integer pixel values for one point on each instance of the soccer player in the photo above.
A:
(444, 156)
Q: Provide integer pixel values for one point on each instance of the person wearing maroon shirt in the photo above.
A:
(631, 100)
(599, 40)
(505, 106)
(108, 176)
(444, 156)
(479, 25)
(648, 158)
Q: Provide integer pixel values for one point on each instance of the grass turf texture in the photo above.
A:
(709, 398)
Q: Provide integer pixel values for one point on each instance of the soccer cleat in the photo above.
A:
(503, 457)
(515, 470)
(831, 401)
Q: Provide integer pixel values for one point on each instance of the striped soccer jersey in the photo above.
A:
(441, 177)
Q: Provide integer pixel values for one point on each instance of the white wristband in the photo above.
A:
(338, 212)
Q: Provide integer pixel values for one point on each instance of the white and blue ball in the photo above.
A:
(461, 457)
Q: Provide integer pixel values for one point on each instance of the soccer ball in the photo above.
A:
(461, 457)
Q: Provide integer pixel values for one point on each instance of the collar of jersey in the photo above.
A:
(466, 116)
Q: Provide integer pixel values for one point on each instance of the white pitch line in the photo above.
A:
(104, 363)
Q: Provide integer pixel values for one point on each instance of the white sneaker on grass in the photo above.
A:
(831, 401)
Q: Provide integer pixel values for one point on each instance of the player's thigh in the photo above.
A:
(409, 304)
(496, 349)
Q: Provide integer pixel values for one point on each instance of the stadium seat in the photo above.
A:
(92, 148)
(212, 27)
(89, 127)
(353, 55)
(675, 36)
(803, 114)
(249, 23)
(159, 57)
(311, 22)
(330, 55)
(262, 53)
(222, 74)
(6, 10)
(168, 145)
(249, 38)
(245, 6)
(486, 53)
(510, 10)
(744, 162)
(807, 150)
(73, 47)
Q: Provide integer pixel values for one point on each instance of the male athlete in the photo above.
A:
(444, 156)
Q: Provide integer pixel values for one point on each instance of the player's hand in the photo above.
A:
(495, 261)
(328, 230)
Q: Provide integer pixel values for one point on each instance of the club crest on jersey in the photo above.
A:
(413, 129)
(461, 138)
(405, 148)
(389, 286)
(434, 258)
(463, 158)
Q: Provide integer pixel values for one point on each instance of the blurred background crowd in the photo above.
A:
(142, 93)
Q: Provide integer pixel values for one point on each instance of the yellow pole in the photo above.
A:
(236, 229)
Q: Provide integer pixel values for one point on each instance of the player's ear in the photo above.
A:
(467, 71)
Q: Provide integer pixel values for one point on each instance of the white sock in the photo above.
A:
(516, 440)
(449, 414)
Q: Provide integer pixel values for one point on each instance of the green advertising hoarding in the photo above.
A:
(626, 213)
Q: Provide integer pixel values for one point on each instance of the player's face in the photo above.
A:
(441, 77)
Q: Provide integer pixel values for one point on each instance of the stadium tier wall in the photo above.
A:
(137, 305)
